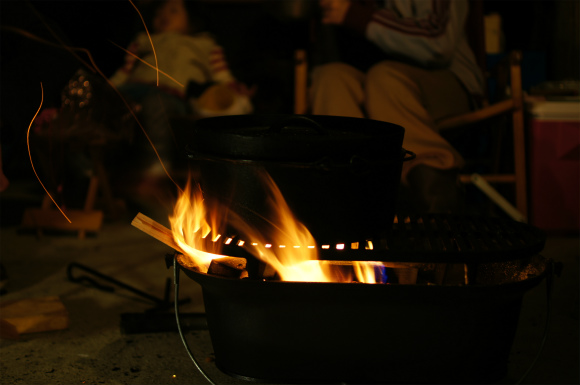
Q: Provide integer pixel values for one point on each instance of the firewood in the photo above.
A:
(156, 230)
(32, 315)
(230, 267)
(80, 220)
(226, 267)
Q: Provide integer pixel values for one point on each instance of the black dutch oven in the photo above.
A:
(339, 175)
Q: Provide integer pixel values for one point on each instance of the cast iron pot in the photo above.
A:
(305, 332)
(340, 176)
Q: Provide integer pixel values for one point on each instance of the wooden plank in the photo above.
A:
(156, 230)
(53, 219)
(32, 315)
(8, 331)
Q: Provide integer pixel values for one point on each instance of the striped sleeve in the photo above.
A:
(432, 24)
(219, 69)
(122, 74)
(424, 31)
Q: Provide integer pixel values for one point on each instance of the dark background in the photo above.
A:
(258, 37)
(259, 41)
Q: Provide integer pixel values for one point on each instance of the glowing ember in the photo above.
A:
(287, 246)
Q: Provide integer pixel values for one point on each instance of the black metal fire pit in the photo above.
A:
(459, 331)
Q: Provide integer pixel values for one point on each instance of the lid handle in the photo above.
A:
(408, 155)
(300, 121)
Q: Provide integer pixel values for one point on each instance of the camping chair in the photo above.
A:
(509, 104)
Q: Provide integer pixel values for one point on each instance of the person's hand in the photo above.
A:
(243, 89)
(334, 11)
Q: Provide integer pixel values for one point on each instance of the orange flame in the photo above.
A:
(190, 228)
(287, 246)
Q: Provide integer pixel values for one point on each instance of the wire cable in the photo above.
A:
(176, 270)
(549, 282)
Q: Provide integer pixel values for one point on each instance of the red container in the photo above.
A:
(555, 171)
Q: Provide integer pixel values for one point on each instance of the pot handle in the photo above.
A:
(301, 121)
(409, 155)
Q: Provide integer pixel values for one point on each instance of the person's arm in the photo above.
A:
(219, 69)
(122, 74)
(221, 73)
(426, 32)
(224, 95)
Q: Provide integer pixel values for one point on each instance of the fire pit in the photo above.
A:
(438, 329)
(308, 276)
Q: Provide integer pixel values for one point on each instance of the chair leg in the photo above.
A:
(300, 82)
(90, 200)
(519, 135)
(91, 193)
(520, 163)
(104, 185)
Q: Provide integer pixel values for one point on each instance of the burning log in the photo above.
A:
(227, 267)
(230, 267)
(224, 266)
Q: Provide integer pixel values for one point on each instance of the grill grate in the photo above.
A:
(432, 238)
(458, 239)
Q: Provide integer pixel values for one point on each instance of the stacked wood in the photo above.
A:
(32, 315)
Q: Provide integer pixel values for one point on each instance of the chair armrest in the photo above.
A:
(477, 115)
(514, 60)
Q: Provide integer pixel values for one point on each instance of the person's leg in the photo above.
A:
(337, 90)
(157, 109)
(415, 98)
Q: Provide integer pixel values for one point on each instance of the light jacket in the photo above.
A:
(429, 33)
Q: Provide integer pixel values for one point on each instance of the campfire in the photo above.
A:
(309, 276)
(287, 249)
(286, 246)
(213, 239)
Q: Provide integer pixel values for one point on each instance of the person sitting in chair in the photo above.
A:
(406, 62)
(194, 77)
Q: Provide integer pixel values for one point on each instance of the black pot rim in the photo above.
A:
(296, 138)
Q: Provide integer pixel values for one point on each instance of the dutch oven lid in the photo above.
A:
(295, 137)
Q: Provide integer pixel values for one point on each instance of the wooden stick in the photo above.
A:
(156, 230)
(497, 198)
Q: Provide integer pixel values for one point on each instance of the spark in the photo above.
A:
(93, 67)
(150, 40)
(30, 154)
(148, 64)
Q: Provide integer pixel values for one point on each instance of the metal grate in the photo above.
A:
(451, 239)
(432, 238)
